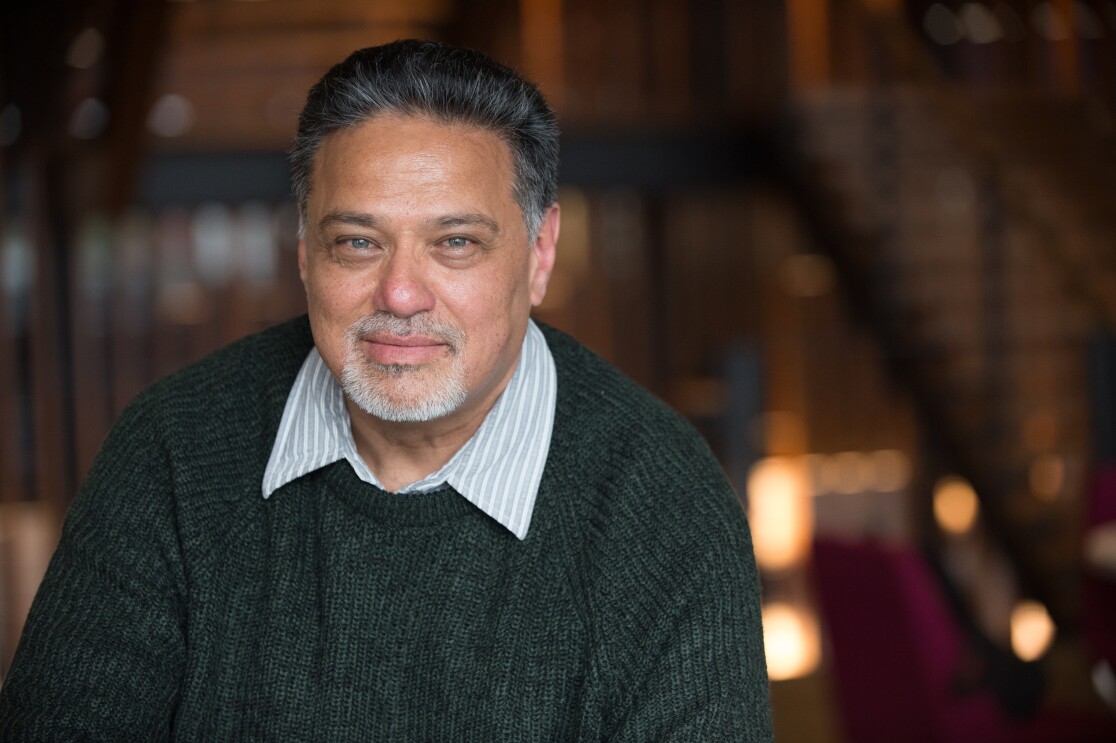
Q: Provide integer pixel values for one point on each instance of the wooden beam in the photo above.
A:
(541, 47)
(808, 43)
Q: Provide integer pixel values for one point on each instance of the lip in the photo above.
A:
(402, 349)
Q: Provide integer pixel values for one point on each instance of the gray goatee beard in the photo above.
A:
(403, 393)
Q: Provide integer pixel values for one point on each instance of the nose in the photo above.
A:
(402, 287)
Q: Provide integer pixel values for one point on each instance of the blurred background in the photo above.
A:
(867, 246)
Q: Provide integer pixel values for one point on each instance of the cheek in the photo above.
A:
(486, 303)
(492, 311)
(335, 296)
(334, 303)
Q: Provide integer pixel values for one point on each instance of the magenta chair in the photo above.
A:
(1098, 588)
(900, 658)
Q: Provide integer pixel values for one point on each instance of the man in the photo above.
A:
(415, 515)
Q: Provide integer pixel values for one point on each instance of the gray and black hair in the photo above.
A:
(447, 84)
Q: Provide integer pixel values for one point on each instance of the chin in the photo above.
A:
(394, 397)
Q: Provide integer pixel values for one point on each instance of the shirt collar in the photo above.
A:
(498, 470)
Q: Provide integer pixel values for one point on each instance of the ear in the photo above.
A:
(544, 253)
(302, 259)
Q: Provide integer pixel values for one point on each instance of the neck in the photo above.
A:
(401, 453)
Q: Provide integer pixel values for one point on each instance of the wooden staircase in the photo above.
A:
(976, 236)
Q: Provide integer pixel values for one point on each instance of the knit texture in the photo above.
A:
(182, 605)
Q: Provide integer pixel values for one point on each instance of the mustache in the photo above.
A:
(421, 324)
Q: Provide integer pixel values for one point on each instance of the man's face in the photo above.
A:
(418, 270)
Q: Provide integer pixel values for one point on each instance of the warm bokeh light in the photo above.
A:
(880, 471)
(1047, 476)
(1100, 546)
(779, 512)
(891, 470)
(790, 638)
(856, 472)
(1032, 630)
(839, 473)
(981, 24)
(955, 505)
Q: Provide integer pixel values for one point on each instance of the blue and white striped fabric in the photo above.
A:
(498, 469)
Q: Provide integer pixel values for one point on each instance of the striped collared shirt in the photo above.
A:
(498, 469)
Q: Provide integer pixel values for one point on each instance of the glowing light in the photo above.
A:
(171, 116)
(828, 471)
(17, 261)
(1104, 681)
(779, 510)
(892, 470)
(955, 505)
(1100, 547)
(86, 49)
(981, 24)
(1032, 630)
(215, 253)
(856, 471)
(791, 641)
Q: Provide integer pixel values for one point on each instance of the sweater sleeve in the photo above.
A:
(103, 651)
(701, 672)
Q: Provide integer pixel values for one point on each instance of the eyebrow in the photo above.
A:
(359, 219)
(467, 219)
(372, 222)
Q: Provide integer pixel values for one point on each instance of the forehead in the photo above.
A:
(394, 154)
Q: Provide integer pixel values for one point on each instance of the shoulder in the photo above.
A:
(623, 424)
(632, 467)
(656, 547)
(243, 383)
(264, 360)
(190, 447)
(214, 420)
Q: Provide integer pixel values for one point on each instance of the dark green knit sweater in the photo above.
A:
(182, 605)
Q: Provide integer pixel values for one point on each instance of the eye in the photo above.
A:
(457, 243)
(360, 243)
